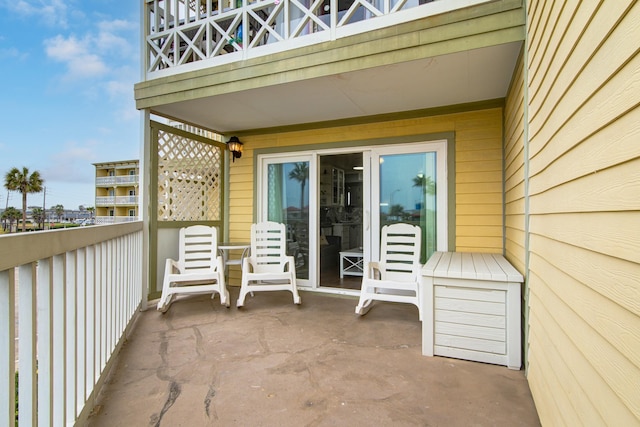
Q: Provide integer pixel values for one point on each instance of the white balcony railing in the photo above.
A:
(183, 33)
(115, 219)
(105, 200)
(117, 180)
(75, 293)
(116, 200)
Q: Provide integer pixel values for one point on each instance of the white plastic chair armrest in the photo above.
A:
(219, 264)
(370, 269)
(171, 266)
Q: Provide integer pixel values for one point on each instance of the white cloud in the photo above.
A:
(51, 12)
(13, 53)
(73, 163)
(76, 54)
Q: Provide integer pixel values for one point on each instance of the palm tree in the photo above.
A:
(427, 184)
(10, 215)
(25, 183)
(91, 210)
(300, 173)
(59, 210)
(38, 217)
(396, 211)
(428, 187)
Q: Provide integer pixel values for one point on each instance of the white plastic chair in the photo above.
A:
(268, 267)
(396, 277)
(199, 269)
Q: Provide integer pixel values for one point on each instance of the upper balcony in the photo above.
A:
(189, 34)
(288, 62)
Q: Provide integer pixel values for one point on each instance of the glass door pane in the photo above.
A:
(341, 203)
(407, 194)
(411, 188)
(288, 203)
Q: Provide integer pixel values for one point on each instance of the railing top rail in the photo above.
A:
(22, 248)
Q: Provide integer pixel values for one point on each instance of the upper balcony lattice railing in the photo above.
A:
(180, 32)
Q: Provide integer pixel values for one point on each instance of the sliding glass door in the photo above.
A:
(335, 203)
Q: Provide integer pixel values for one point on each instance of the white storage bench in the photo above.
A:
(471, 308)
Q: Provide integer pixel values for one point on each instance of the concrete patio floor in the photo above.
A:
(272, 363)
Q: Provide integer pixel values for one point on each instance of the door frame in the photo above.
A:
(371, 221)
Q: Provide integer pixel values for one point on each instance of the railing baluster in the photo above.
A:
(27, 344)
(45, 333)
(7, 346)
(71, 343)
(59, 298)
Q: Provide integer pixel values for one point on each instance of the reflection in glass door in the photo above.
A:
(288, 203)
(412, 189)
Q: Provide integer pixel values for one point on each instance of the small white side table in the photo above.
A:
(351, 262)
(224, 249)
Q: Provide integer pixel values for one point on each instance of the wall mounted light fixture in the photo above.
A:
(235, 146)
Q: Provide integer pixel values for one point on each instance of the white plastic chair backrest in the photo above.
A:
(198, 248)
(400, 252)
(268, 246)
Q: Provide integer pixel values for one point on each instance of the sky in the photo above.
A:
(67, 70)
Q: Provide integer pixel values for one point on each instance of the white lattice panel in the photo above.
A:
(189, 179)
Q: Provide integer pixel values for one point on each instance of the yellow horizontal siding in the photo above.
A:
(478, 138)
(584, 272)
(514, 190)
(604, 374)
(608, 190)
(588, 82)
(613, 234)
(610, 146)
(569, 392)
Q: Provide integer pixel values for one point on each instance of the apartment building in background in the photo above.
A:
(117, 186)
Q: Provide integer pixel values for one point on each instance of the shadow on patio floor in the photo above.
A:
(272, 363)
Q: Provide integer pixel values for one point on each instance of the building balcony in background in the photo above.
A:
(115, 219)
(109, 181)
(117, 201)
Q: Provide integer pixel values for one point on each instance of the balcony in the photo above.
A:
(100, 220)
(433, 55)
(75, 293)
(190, 34)
(116, 201)
(111, 181)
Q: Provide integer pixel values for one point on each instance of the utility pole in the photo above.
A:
(4, 222)
(44, 209)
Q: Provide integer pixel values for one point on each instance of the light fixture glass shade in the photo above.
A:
(235, 147)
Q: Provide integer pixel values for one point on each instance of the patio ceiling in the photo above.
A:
(456, 78)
